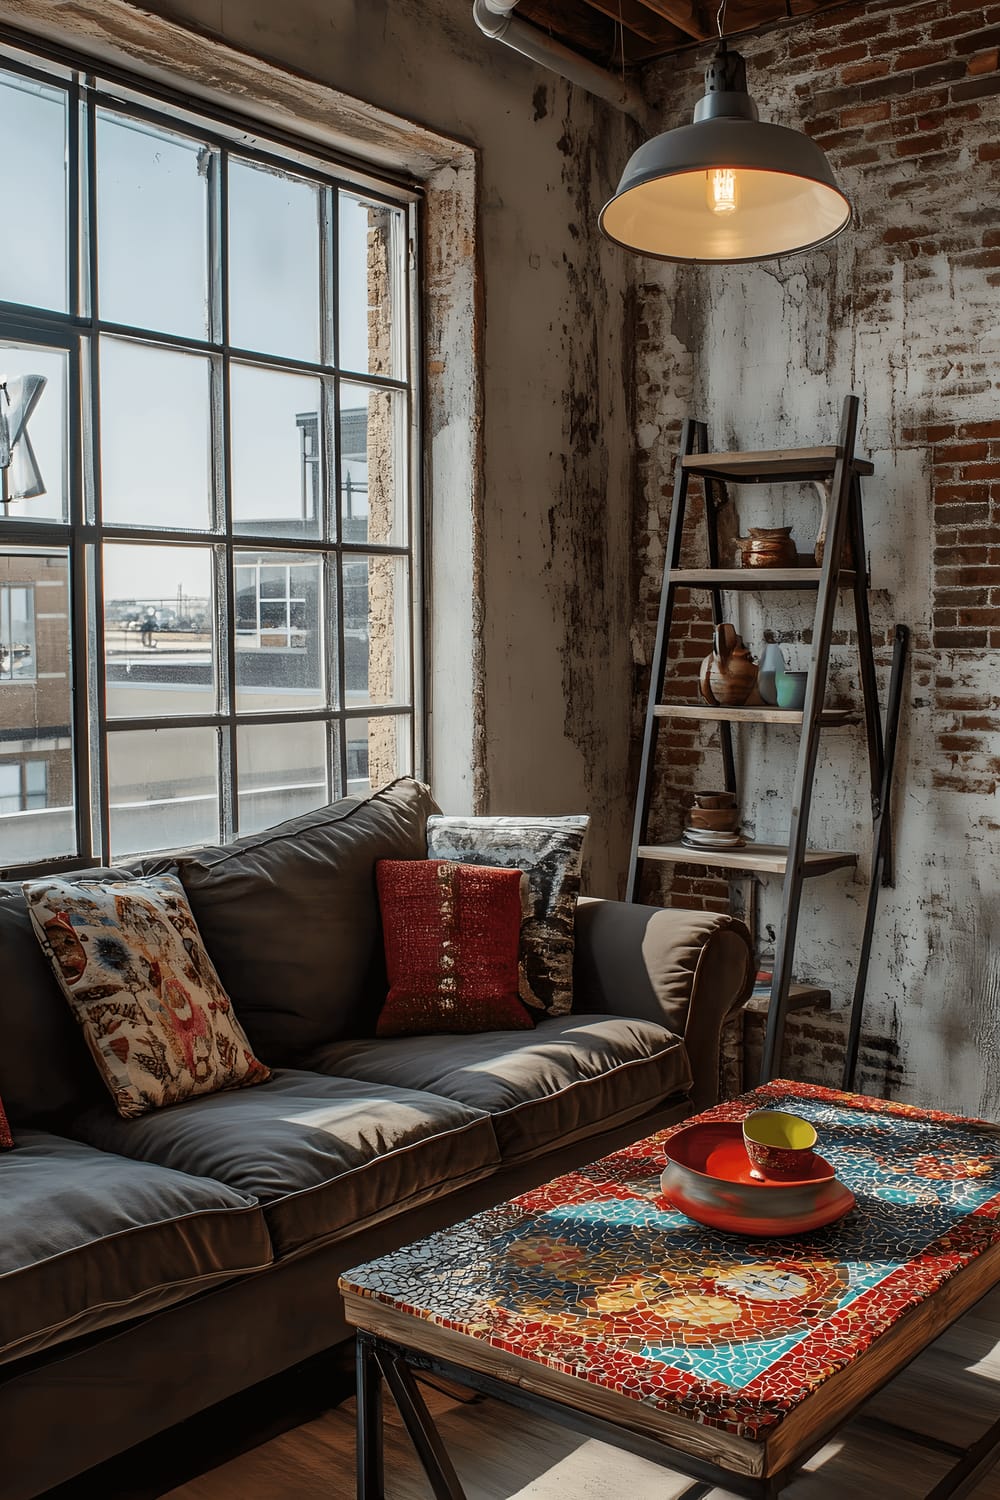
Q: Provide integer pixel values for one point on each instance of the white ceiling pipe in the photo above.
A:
(495, 20)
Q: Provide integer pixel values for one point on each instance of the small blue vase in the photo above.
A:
(771, 663)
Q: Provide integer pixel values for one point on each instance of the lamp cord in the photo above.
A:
(720, 17)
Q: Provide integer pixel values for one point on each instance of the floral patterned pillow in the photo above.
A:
(129, 958)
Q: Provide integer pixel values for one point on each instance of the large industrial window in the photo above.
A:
(208, 575)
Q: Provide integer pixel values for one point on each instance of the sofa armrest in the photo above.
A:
(688, 970)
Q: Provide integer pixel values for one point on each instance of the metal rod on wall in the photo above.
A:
(879, 850)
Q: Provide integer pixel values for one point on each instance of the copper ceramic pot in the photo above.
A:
(728, 673)
(715, 819)
(768, 547)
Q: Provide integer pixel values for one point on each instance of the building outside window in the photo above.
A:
(208, 568)
(17, 633)
(24, 786)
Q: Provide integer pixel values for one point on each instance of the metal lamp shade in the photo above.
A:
(788, 197)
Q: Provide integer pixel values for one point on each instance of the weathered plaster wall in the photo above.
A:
(903, 310)
(527, 331)
(554, 549)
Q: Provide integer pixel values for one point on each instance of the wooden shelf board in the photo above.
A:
(755, 578)
(758, 714)
(767, 859)
(800, 997)
(773, 465)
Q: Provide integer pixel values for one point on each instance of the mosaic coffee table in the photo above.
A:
(729, 1359)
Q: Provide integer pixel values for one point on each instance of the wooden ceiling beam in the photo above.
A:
(591, 30)
(690, 16)
(637, 17)
(647, 29)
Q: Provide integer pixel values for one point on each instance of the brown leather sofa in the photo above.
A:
(151, 1267)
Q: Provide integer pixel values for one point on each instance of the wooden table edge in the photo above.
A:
(813, 1420)
(738, 1455)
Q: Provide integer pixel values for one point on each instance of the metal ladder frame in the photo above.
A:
(846, 521)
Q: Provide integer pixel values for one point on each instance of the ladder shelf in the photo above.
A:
(764, 859)
(829, 718)
(842, 469)
(751, 580)
(788, 464)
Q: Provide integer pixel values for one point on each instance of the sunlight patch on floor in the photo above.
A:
(585, 1474)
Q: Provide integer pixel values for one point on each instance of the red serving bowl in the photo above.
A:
(707, 1177)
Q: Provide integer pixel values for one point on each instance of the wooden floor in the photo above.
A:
(951, 1392)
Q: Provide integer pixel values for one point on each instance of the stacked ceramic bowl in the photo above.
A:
(713, 822)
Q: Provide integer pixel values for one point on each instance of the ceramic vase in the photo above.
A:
(791, 688)
(729, 672)
(768, 547)
(771, 663)
(847, 556)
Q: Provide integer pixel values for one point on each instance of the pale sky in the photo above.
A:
(153, 256)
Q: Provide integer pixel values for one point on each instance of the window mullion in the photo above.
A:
(75, 203)
(328, 275)
(226, 611)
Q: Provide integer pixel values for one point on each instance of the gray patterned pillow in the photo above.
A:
(550, 852)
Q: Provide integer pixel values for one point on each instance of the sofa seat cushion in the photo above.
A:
(324, 1156)
(569, 1078)
(91, 1239)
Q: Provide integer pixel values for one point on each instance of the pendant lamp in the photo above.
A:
(728, 187)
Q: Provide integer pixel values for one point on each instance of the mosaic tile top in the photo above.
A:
(595, 1274)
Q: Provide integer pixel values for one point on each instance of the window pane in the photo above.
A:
(371, 236)
(36, 783)
(276, 452)
(34, 424)
(35, 258)
(279, 632)
(17, 633)
(378, 750)
(10, 787)
(36, 715)
(164, 789)
(156, 436)
(376, 630)
(282, 772)
(274, 236)
(159, 647)
(372, 465)
(152, 219)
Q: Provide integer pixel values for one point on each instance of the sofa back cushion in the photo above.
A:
(290, 917)
(46, 1072)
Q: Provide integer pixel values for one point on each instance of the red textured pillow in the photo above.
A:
(6, 1139)
(452, 938)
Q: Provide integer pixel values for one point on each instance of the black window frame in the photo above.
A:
(82, 535)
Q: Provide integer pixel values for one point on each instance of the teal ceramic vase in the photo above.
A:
(791, 689)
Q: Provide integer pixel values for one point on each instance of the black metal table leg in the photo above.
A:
(979, 1459)
(371, 1484)
(420, 1426)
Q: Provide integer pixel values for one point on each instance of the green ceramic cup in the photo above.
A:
(791, 688)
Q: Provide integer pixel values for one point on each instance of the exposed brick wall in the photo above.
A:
(905, 99)
(965, 462)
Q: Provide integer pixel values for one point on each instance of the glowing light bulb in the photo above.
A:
(721, 190)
